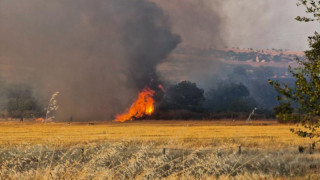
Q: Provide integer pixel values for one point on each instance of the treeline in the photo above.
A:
(184, 100)
(229, 100)
(280, 56)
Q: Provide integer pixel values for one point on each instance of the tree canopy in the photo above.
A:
(20, 101)
(306, 92)
(230, 97)
(185, 95)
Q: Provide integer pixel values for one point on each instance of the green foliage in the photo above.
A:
(230, 97)
(185, 95)
(20, 101)
(284, 113)
(283, 108)
(306, 92)
(288, 118)
(312, 7)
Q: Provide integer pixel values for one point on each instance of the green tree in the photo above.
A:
(306, 92)
(284, 113)
(283, 108)
(21, 102)
(230, 97)
(185, 95)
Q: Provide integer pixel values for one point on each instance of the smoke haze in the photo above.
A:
(258, 24)
(199, 22)
(98, 54)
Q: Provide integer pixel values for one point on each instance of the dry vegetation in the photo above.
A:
(135, 150)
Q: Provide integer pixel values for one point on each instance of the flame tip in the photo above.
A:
(143, 106)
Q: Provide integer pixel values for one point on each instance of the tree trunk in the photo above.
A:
(21, 117)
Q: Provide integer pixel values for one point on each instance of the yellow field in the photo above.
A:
(155, 150)
(265, 134)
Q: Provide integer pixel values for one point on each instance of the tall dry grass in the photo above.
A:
(193, 150)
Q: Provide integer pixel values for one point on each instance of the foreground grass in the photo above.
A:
(204, 150)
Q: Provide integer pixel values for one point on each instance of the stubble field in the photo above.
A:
(155, 150)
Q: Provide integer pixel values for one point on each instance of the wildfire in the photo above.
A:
(39, 120)
(143, 106)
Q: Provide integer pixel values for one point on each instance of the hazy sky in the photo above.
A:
(271, 24)
(256, 24)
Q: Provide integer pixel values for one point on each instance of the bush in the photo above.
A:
(288, 118)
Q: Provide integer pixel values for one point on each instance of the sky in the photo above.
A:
(271, 24)
(258, 24)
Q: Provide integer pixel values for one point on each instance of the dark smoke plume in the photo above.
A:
(200, 23)
(98, 54)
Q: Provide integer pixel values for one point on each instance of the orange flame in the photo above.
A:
(39, 120)
(143, 106)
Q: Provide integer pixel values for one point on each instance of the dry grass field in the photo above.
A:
(154, 150)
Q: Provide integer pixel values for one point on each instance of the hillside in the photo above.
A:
(273, 57)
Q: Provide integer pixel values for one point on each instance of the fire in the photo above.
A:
(39, 120)
(143, 106)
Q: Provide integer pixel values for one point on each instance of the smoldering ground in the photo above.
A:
(98, 54)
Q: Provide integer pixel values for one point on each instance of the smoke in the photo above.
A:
(97, 54)
(199, 22)
(266, 24)
(246, 23)
(205, 24)
(100, 53)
